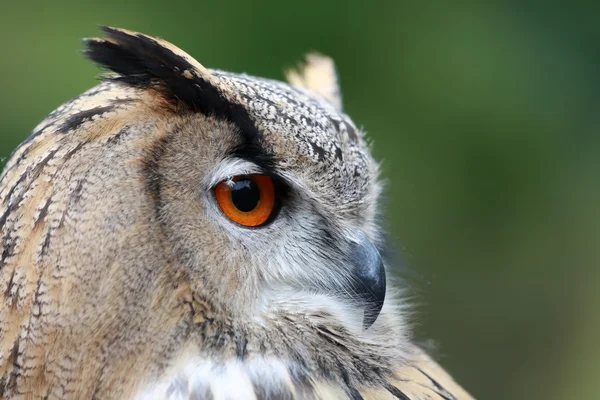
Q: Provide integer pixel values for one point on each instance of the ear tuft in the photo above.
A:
(149, 62)
(317, 74)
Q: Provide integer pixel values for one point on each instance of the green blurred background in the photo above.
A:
(485, 116)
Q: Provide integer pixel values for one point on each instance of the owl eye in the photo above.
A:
(249, 201)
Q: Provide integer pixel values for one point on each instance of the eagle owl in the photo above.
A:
(182, 232)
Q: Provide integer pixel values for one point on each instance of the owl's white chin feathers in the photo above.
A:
(235, 379)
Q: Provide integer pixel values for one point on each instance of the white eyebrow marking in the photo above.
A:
(229, 168)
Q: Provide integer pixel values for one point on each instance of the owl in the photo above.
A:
(179, 232)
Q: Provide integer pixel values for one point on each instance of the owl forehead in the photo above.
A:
(304, 131)
(293, 129)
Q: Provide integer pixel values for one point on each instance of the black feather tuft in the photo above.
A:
(146, 62)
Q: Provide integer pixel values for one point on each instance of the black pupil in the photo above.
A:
(245, 195)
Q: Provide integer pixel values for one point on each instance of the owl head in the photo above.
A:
(263, 190)
(176, 211)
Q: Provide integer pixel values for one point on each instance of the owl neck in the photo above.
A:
(305, 333)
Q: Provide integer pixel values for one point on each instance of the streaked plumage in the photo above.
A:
(121, 278)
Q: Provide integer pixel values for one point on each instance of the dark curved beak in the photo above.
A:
(369, 278)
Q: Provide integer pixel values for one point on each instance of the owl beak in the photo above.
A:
(369, 278)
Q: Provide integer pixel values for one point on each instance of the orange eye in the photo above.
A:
(250, 201)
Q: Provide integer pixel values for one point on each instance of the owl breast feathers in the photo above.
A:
(178, 232)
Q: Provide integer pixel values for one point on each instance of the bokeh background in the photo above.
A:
(485, 115)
